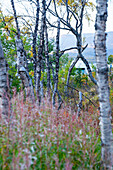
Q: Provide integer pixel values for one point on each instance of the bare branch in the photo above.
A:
(67, 11)
(81, 16)
(54, 26)
(48, 5)
(89, 69)
(70, 69)
(63, 51)
(82, 94)
(62, 20)
(15, 16)
(27, 24)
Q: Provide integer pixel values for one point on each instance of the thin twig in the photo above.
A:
(82, 94)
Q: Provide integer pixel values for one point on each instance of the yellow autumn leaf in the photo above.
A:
(6, 37)
(11, 17)
(6, 27)
(60, 1)
(31, 73)
(69, 2)
(6, 19)
(31, 51)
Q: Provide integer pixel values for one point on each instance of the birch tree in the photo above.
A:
(75, 12)
(35, 40)
(47, 61)
(40, 53)
(4, 107)
(21, 59)
(47, 52)
(103, 86)
(57, 68)
(43, 48)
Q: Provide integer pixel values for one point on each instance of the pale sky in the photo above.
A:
(91, 29)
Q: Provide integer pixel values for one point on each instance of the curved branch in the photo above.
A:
(62, 20)
(48, 5)
(88, 69)
(63, 51)
(56, 26)
(72, 48)
(70, 69)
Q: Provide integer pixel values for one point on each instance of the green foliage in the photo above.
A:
(9, 48)
(111, 100)
(77, 77)
(110, 59)
(7, 34)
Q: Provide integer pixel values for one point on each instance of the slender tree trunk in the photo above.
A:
(57, 68)
(47, 62)
(79, 104)
(24, 75)
(21, 59)
(103, 86)
(15, 16)
(38, 72)
(40, 53)
(35, 40)
(4, 105)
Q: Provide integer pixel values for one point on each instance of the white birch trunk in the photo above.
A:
(4, 107)
(57, 67)
(40, 62)
(79, 104)
(24, 75)
(21, 58)
(103, 86)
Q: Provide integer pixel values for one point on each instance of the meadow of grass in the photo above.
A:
(46, 138)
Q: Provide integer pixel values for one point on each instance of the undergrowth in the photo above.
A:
(44, 138)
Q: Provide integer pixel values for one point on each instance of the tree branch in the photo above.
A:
(15, 16)
(88, 68)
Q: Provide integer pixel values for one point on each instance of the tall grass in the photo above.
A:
(44, 138)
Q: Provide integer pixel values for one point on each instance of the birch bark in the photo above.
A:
(47, 62)
(103, 86)
(4, 107)
(35, 41)
(22, 71)
(21, 58)
(57, 69)
(39, 67)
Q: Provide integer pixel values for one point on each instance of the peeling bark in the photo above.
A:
(4, 103)
(35, 40)
(21, 60)
(103, 85)
(24, 75)
(79, 105)
(40, 53)
(47, 62)
(57, 69)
